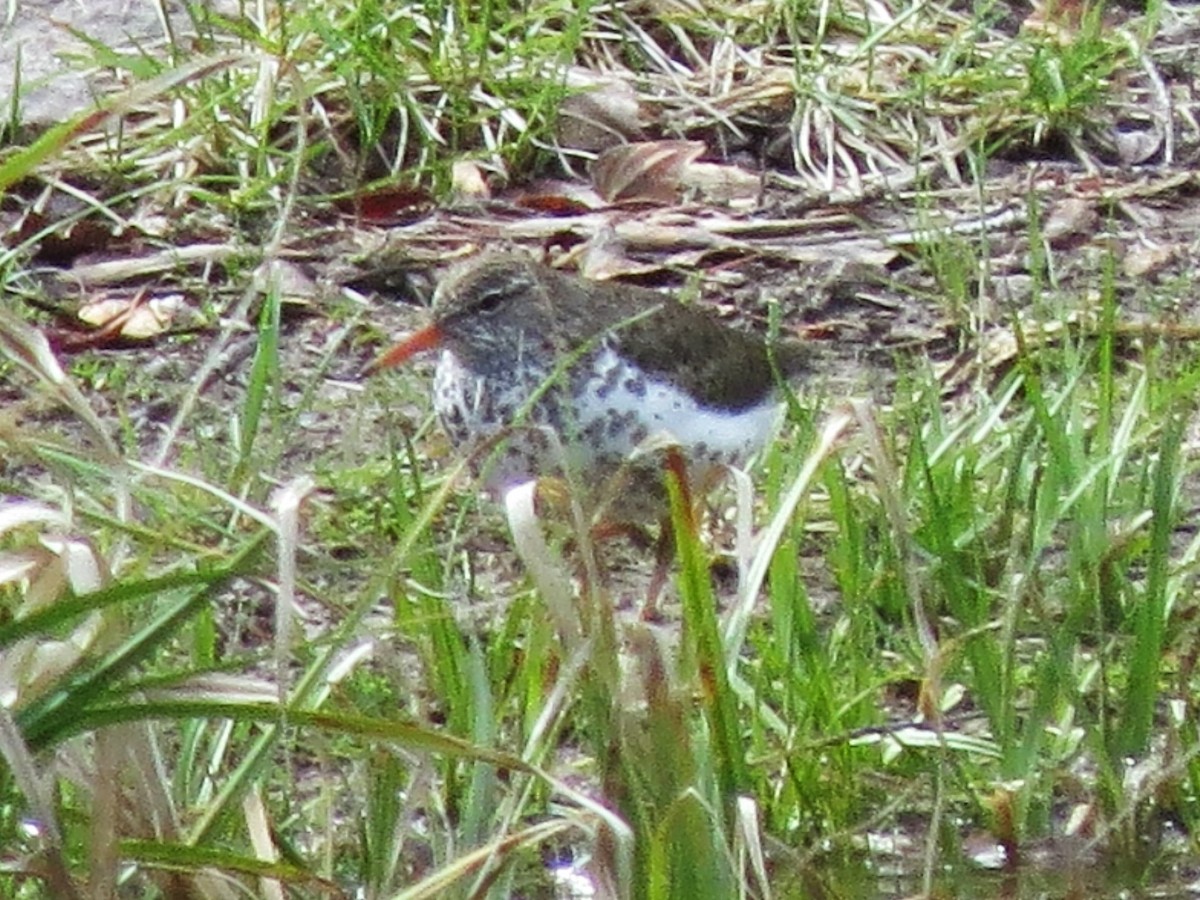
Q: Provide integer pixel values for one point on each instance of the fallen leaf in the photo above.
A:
(285, 279)
(650, 170)
(468, 182)
(555, 197)
(717, 183)
(1068, 219)
(390, 205)
(1142, 260)
(605, 260)
(131, 317)
(603, 112)
(1137, 145)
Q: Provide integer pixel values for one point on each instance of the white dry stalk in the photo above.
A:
(28, 348)
(738, 620)
(32, 665)
(42, 574)
(515, 805)
(18, 513)
(748, 843)
(287, 502)
(30, 781)
(545, 567)
(105, 820)
(440, 882)
(38, 794)
(259, 829)
(241, 506)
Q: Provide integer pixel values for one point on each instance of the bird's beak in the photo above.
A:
(427, 338)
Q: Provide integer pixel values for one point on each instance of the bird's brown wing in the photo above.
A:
(717, 364)
(684, 345)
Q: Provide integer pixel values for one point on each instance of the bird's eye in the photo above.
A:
(490, 302)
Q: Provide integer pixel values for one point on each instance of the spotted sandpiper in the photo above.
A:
(527, 350)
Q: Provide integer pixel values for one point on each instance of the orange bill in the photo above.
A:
(425, 339)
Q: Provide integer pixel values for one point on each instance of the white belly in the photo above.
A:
(598, 426)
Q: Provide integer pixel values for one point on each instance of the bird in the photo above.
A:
(571, 378)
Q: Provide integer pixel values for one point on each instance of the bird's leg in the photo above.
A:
(664, 555)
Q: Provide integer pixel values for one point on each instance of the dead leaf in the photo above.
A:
(390, 205)
(1138, 145)
(604, 113)
(648, 171)
(555, 197)
(1142, 260)
(1068, 219)
(466, 176)
(717, 183)
(603, 260)
(132, 317)
(286, 280)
